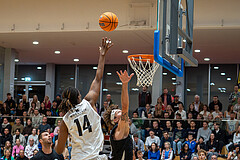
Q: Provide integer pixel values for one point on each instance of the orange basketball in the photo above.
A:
(108, 21)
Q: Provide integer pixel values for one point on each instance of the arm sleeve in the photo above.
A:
(198, 134)
(142, 147)
(158, 155)
(234, 138)
(171, 156)
(149, 155)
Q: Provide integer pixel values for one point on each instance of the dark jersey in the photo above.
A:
(121, 149)
(52, 156)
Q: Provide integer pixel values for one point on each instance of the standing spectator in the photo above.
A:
(215, 102)
(167, 153)
(166, 98)
(234, 95)
(7, 125)
(33, 136)
(192, 110)
(181, 111)
(227, 113)
(198, 105)
(204, 132)
(20, 137)
(212, 146)
(11, 103)
(153, 152)
(216, 111)
(191, 143)
(220, 136)
(44, 126)
(20, 109)
(175, 103)
(192, 130)
(7, 155)
(30, 148)
(109, 100)
(28, 129)
(138, 144)
(47, 102)
(17, 148)
(152, 139)
(6, 137)
(58, 99)
(36, 101)
(54, 108)
(205, 112)
(22, 156)
(164, 139)
(5, 110)
(42, 109)
(16, 126)
(25, 102)
(36, 119)
(232, 125)
(144, 98)
(178, 138)
(185, 153)
(236, 107)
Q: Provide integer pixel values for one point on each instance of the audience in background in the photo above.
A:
(234, 95)
(215, 102)
(144, 98)
(198, 105)
(166, 98)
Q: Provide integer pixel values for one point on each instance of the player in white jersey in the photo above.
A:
(81, 119)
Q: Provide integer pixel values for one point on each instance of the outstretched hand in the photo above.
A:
(105, 46)
(123, 76)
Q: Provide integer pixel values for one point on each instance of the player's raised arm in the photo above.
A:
(123, 125)
(93, 93)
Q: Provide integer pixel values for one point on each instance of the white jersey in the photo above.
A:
(84, 126)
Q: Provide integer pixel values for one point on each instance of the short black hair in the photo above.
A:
(40, 134)
(215, 96)
(135, 112)
(8, 94)
(135, 135)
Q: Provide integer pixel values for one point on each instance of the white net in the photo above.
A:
(145, 70)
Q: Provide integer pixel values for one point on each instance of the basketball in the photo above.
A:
(108, 21)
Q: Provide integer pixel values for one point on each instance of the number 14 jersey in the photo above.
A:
(84, 126)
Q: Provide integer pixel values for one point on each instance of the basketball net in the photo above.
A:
(144, 68)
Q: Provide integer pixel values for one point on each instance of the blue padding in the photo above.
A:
(162, 61)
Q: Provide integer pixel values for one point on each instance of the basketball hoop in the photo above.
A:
(145, 67)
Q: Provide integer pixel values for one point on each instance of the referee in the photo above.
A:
(47, 153)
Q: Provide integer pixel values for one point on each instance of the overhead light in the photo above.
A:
(35, 42)
(24, 90)
(173, 78)
(164, 73)
(206, 59)
(16, 60)
(109, 73)
(184, 40)
(135, 89)
(174, 83)
(125, 51)
(216, 67)
(30, 86)
(212, 84)
(224, 89)
(94, 68)
(197, 50)
(76, 60)
(39, 68)
(72, 78)
(105, 89)
(22, 79)
(229, 79)
(30, 89)
(223, 74)
(15, 78)
(57, 52)
(27, 79)
(188, 90)
(118, 83)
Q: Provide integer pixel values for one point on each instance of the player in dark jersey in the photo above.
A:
(121, 141)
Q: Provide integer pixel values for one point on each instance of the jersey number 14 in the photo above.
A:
(86, 125)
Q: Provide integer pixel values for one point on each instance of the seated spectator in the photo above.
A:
(202, 154)
(216, 111)
(138, 144)
(175, 103)
(35, 152)
(178, 137)
(5, 110)
(234, 95)
(6, 137)
(227, 113)
(201, 144)
(236, 140)
(210, 121)
(28, 129)
(25, 102)
(147, 125)
(181, 111)
(169, 128)
(60, 118)
(144, 98)
(50, 120)
(167, 153)
(55, 138)
(36, 119)
(22, 156)
(42, 110)
(147, 111)
(17, 125)
(220, 136)
(54, 108)
(214, 157)
(178, 118)
(236, 107)
(157, 131)
(212, 146)
(158, 113)
(164, 139)
(205, 112)
(199, 121)
(139, 155)
(137, 122)
(47, 102)
(152, 139)
(6, 124)
(185, 153)
(204, 132)
(215, 102)
(192, 130)
(24, 119)
(34, 136)
(170, 111)
(232, 125)
(11, 104)
(195, 154)
(32, 108)
(58, 126)
(189, 119)
(191, 143)
(44, 126)
(163, 122)
(232, 155)
(192, 110)
(7, 155)
(20, 137)
(17, 148)
(8, 146)
(219, 119)
(20, 109)
(153, 152)
(132, 127)
(30, 148)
